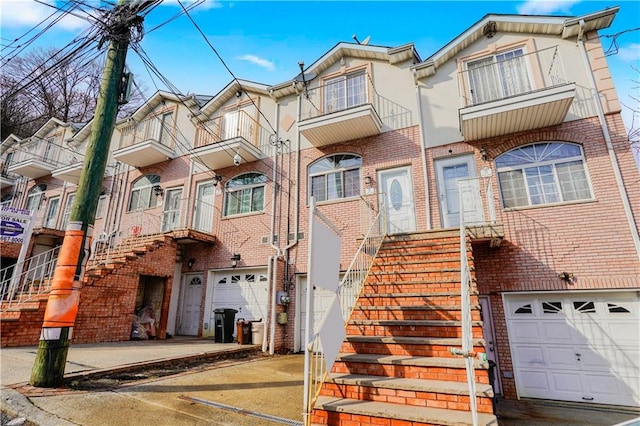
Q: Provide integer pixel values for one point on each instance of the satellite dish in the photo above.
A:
(366, 40)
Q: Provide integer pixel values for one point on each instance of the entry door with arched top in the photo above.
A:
(396, 190)
(191, 300)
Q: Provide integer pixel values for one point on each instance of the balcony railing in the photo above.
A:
(517, 75)
(153, 128)
(233, 126)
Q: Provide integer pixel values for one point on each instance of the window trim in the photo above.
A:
(345, 72)
(252, 186)
(310, 177)
(151, 204)
(553, 163)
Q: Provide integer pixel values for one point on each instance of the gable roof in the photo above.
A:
(191, 101)
(230, 91)
(563, 26)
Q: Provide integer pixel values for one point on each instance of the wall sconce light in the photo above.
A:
(216, 180)
(490, 29)
(368, 180)
(483, 154)
(235, 259)
(566, 276)
(191, 262)
(157, 189)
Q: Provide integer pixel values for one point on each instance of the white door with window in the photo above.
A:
(203, 208)
(190, 308)
(171, 213)
(581, 347)
(449, 171)
(396, 192)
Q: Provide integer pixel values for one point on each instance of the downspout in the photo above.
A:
(111, 204)
(607, 137)
(297, 182)
(188, 213)
(423, 155)
(274, 259)
(271, 262)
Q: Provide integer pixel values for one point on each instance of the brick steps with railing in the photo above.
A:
(396, 364)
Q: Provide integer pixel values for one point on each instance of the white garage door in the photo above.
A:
(576, 347)
(321, 300)
(246, 291)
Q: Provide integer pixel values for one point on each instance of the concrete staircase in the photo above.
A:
(395, 366)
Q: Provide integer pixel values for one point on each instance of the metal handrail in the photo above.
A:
(242, 126)
(348, 292)
(31, 283)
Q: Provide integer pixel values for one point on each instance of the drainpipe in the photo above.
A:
(297, 183)
(607, 137)
(423, 155)
(271, 261)
(187, 214)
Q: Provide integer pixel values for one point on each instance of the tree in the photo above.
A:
(39, 86)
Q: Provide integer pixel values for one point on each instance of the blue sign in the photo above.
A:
(10, 229)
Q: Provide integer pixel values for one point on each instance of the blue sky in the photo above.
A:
(263, 41)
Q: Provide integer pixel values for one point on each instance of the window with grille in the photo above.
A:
(142, 193)
(245, 194)
(498, 76)
(543, 173)
(334, 177)
(344, 92)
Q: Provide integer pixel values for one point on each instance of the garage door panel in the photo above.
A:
(586, 344)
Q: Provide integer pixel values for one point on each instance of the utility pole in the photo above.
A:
(64, 297)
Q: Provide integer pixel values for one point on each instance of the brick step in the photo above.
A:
(410, 260)
(424, 244)
(336, 410)
(411, 299)
(402, 275)
(413, 328)
(409, 392)
(374, 284)
(429, 368)
(416, 312)
(438, 252)
(405, 346)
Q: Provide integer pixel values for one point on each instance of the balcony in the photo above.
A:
(36, 158)
(340, 110)
(148, 142)
(220, 139)
(7, 178)
(523, 92)
(71, 167)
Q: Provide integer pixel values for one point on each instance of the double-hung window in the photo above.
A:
(245, 194)
(543, 173)
(334, 177)
(344, 92)
(498, 76)
(35, 197)
(142, 193)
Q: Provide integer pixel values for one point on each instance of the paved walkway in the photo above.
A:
(259, 391)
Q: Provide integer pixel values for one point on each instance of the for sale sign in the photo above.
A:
(14, 225)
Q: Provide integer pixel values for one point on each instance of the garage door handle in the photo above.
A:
(587, 399)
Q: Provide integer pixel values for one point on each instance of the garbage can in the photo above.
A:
(224, 320)
(244, 332)
(257, 332)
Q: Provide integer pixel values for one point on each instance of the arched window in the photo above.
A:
(335, 176)
(543, 173)
(142, 194)
(35, 197)
(245, 194)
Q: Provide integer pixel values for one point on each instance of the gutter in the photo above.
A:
(607, 137)
(423, 155)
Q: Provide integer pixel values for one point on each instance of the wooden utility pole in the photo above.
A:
(64, 297)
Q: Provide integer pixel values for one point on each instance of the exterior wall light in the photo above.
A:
(235, 259)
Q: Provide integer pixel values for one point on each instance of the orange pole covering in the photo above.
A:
(64, 297)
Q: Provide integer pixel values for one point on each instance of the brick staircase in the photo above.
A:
(395, 366)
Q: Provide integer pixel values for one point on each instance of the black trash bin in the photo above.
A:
(224, 324)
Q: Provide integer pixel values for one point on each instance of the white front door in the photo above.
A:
(203, 208)
(191, 301)
(320, 301)
(578, 346)
(449, 171)
(396, 192)
(171, 213)
(488, 333)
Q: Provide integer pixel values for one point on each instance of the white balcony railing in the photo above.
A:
(237, 124)
(159, 129)
(503, 76)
